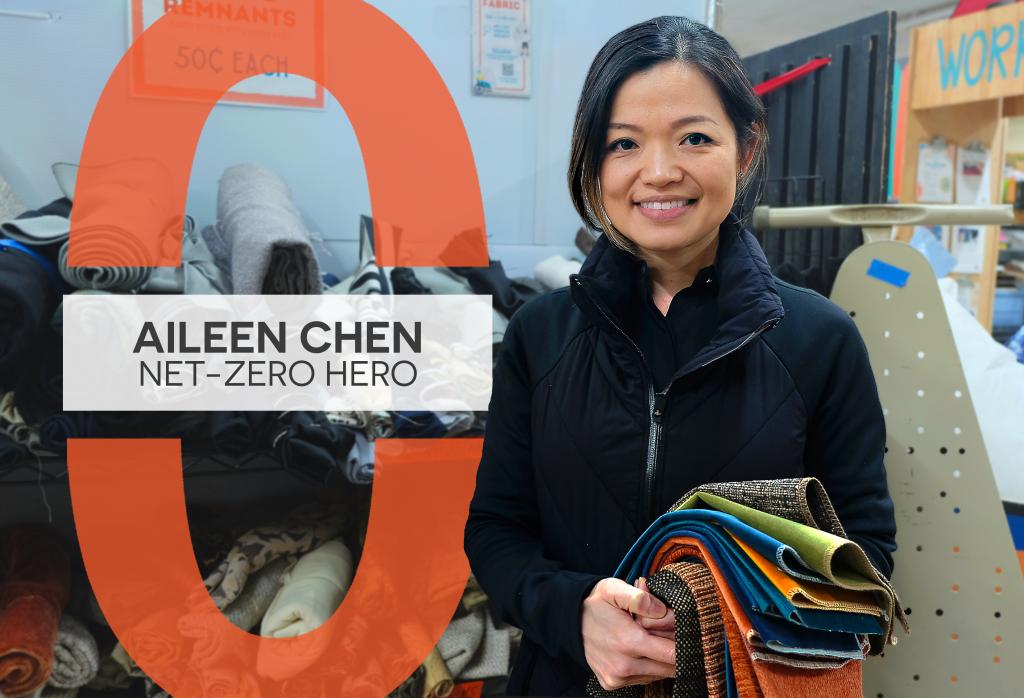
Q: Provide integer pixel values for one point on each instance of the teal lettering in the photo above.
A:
(998, 48)
(949, 64)
(1020, 48)
(973, 79)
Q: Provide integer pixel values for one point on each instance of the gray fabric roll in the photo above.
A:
(51, 692)
(118, 279)
(474, 648)
(259, 235)
(76, 658)
(203, 274)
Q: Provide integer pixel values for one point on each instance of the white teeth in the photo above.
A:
(662, 205)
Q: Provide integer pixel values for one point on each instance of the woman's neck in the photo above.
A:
(671, 272)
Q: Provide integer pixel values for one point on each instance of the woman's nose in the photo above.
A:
(661, 167)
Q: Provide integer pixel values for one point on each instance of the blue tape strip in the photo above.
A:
(49, 266)
(1017, 530)
(888, 273)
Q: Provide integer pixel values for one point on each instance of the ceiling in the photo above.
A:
(753, 26)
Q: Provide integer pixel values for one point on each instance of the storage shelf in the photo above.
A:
(52, 469)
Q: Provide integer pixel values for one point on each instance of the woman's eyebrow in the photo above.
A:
(684, 121)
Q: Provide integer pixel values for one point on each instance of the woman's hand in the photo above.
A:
(662, 627)
(618, 648)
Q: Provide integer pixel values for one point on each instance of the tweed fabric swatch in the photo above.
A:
(803, 500)
(699, 586)
(689, 590)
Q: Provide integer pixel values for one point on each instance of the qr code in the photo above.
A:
(507, 70)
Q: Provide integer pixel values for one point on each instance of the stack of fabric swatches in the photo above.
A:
(770, 597)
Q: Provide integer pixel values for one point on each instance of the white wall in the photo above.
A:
(53, 72)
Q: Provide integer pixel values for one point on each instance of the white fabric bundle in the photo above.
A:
(554, 272)
(311, 593)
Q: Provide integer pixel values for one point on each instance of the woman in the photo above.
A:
(673, 359)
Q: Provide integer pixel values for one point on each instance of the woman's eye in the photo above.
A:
(621, 145)
(696, 139)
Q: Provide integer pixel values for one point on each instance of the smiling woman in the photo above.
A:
(674, 359)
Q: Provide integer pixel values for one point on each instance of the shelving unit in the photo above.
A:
(958, 96)
(52, 469)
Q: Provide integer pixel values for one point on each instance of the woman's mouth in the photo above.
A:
(665, 210)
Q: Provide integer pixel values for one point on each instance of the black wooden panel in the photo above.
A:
(828, 139)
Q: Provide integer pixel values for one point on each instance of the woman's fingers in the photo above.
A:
(660, 650)
(636, 601)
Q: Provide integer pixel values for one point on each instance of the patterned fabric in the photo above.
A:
(303, 531)
(368, 278)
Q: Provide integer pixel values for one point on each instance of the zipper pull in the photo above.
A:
(659, 407)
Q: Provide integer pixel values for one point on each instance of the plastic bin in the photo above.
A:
(1008, 310)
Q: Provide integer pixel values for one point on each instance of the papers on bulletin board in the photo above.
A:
(972, 176)
(935, 173)
(968, 248)
(501, 48)
(193, 64)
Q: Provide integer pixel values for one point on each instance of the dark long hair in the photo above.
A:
(637, 49)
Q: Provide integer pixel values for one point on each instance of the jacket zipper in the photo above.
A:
(657, 401)
(658, 413)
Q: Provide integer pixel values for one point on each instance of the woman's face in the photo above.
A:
(668, 178)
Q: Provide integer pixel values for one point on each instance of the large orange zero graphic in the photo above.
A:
(128, 494)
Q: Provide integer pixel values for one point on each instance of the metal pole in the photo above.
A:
(878, 215)
(711, 14)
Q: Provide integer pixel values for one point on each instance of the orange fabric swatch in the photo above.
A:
(814, 595)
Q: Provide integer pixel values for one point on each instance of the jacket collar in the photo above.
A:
(606, 288)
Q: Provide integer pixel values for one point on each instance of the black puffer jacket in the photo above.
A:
(581, 452)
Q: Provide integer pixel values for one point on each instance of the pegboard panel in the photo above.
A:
(956, 569)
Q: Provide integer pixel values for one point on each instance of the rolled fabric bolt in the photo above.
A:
(36, 576)
(438, 682)
(260, 235)
(106, 241)
(76, 657)
(312, 592)
(554, 272)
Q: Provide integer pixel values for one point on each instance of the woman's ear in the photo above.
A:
(748, 151)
